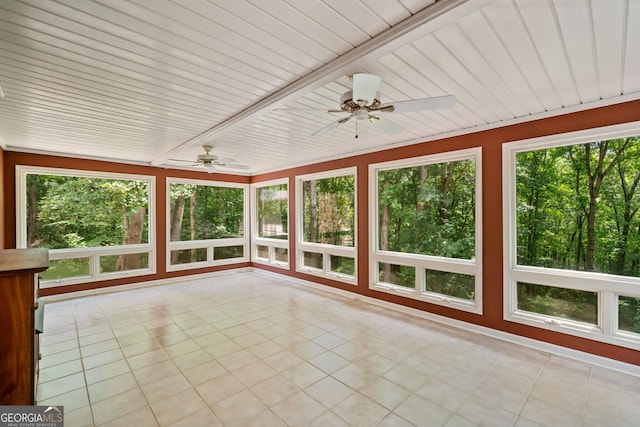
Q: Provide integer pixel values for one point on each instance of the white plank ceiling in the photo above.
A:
(148, 81)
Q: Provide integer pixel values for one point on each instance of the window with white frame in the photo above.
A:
(425, 216)
(270, 203)
(206, 223)
(96, 225)
(326, 231)
(572, 229)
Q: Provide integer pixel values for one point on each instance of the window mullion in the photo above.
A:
(608, 312)
(95, 265)
(421, 281)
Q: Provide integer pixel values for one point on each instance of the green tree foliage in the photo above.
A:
(80, 212)
(273, 211)
(329, 210)
(401, 275)
(77, 212)
(577, 209)
(629, 314)
(214, 212)
(428, 210)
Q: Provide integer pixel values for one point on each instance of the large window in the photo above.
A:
(571, 212)
(425, 216)
(326, 224)
(270, 201)
(206, 223)
(95, 225)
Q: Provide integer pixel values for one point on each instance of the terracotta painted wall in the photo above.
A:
(491, 142)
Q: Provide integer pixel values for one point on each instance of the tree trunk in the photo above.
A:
(132, 236)
(445, 180)
(262, 217)
(591, 233)
(384, 234)
(176, 224)
(284, 214)
(538, 167)
(596, 177)
(31, 212)
(421, 189)
(580, 241)
(313, 211)
(627, 216)
(192, 221)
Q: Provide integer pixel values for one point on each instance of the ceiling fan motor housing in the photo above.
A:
(207, 158)
(349, 105)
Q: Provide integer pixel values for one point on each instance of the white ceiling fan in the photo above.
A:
(363, 103)
(212, 161)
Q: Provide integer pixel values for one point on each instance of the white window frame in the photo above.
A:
(209, 244)
(93, 253)
(472, 267)
(272, 244)
(607, 286)
(325, 249)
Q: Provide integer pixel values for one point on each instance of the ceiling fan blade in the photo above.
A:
(223, 162)
(365, 87)
(388, 126)
(420, 104)
(300, 109)
(331, 126)
(235, 166)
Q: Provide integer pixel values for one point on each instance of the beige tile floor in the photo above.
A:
(248, 349)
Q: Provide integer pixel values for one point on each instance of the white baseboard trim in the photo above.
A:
(138, 285)
(542, 346)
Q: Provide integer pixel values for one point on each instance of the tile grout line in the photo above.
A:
(84, 371)
(533, 386)
(588, 394)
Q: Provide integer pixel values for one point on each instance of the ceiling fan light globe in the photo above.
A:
(361, 114)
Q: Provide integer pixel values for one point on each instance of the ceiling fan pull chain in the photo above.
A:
(356, 129)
